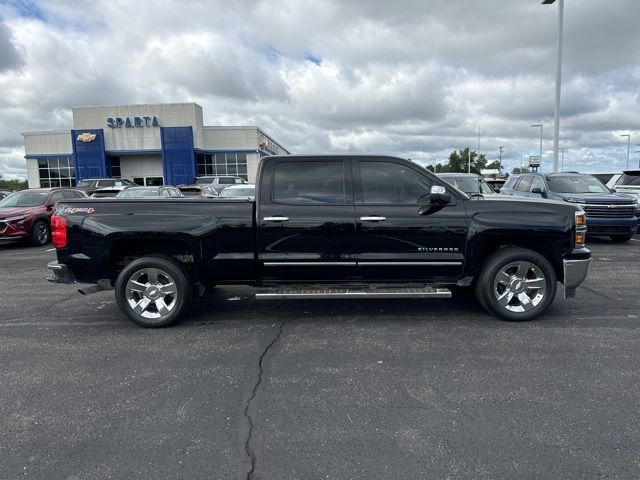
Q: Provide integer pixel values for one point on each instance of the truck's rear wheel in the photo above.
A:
(516, 284)
(153, 291)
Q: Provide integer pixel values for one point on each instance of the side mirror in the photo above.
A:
(439, 195)
(537, 190)
(497, 190)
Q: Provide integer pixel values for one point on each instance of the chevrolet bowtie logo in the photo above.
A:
(86, 137)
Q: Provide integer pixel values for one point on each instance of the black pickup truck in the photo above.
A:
(325, 227)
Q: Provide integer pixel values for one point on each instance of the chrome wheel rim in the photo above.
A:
(520, 286)
(151, 293)
(42, 235)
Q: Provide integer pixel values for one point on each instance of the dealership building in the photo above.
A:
(149, 144)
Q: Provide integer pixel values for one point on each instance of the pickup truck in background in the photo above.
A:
(325, 227)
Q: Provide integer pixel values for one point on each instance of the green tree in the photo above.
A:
(13, 185)
(518, 170)
(459, 161)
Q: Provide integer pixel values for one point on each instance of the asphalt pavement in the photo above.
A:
(299, 389)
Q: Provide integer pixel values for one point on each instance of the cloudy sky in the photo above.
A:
(414, 78)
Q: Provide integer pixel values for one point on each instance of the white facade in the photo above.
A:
(133, 144)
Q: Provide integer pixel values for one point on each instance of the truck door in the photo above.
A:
(396, 242)
(306, 220)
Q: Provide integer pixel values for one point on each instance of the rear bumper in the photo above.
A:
(60, 273)
(575, 272)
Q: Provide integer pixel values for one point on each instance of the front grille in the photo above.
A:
(609, 211)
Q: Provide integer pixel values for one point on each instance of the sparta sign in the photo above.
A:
(132, 122)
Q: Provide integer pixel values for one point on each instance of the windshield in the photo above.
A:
(238, 192)
(468, 185)
(24, 199)
(139, 192)
(577, 184)
(85, 183)
(629, 179)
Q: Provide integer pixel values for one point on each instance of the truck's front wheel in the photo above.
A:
(153, 291)
(516, 284)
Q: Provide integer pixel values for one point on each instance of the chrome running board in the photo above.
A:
(354, 292)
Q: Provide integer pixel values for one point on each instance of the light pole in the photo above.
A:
(562, 161)
(500, 159)
(469, 162)
(540, 125)
(556, 118)
(628, 145)
(521, 164)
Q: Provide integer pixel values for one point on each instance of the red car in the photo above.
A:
(26, 215)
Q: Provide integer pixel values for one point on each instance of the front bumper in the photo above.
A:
(60, 273)
(611, 226)
(575, 272)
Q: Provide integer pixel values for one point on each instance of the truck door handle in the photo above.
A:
(277, 218)
(374, 218)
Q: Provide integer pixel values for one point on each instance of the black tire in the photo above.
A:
(501, 278)
(621, 238)
(153, 300)
(40, 233)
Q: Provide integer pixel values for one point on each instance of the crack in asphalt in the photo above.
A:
(249, 407)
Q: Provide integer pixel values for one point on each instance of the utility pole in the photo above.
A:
(556, 120)
(521, 164)
(628, 145)
(500, 159)
(469, 162)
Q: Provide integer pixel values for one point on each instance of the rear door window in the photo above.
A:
(310, 183)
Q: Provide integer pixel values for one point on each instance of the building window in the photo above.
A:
(221, 164)
(56, 172)
(115, 167)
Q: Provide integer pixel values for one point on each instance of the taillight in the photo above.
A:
(59, 231)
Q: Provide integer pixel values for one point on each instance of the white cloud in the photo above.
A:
(409, 77)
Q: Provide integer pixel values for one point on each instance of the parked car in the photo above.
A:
(25, 215)
(90, 185)
(220, 182)
(205, 191)
(496, 184)
(108, 192)
(4, 193)
(146, 192)
(608, 213)
(469, 183)
(629, 183)
(239, 191)
(326, 227)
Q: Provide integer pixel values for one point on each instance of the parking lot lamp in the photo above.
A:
(562, 161)
(521, 164)
(556, 119)
(628, 145)
(540, 125)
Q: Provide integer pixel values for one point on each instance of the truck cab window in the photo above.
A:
(389, 183)
(309, 183)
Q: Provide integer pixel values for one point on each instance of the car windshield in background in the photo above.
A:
(139, 192)
(468, 185)
(204, 180)
(85, 183)
(629, 179)
(24, 199)
(238, 192)
(577, 184)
